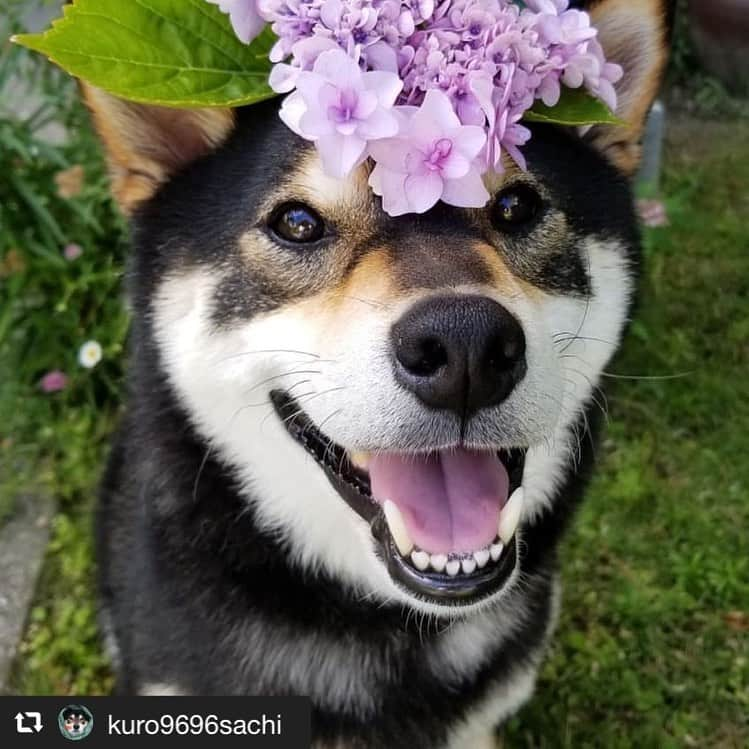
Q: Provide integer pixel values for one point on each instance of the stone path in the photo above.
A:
(23, 540)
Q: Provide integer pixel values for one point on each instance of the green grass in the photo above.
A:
(652, 645)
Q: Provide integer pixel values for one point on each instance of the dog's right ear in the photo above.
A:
(147, 144)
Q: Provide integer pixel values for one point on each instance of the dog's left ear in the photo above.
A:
(636, 35)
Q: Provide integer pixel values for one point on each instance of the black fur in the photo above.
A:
(201, 597)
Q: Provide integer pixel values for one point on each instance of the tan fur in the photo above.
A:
(634, 34)
(504, 280)
(370, 282)
(368, 286)
(145, 145)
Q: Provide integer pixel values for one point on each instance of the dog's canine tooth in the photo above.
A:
(495, 551)
(438, 562)
(469, 565)
(452, 567)
(510, 516)
(481, 557)
(397, 527)
(420, 560)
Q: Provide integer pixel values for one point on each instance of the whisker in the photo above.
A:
(570, 337)
(656, 378)
(199, 474)
(604, 407)
(282, 374)
(269, 351)
(371, 302)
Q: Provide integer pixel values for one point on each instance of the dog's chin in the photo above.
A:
(444, 523)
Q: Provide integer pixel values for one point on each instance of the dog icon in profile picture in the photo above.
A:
(76, 722)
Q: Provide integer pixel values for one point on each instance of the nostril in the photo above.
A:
(503, 351)
(424, 357)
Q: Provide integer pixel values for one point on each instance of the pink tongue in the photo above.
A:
(449, 502)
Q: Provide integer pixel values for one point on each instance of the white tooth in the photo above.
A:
(481, 557)
(495, 550)
(468, 565)
(420, 560)
(452, 567)
(509, 516)
(438, 562)
(397, 528)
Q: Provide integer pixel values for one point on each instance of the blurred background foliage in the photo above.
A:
(54, 195)
(652, 647)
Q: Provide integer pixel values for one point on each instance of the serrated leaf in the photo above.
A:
(177, 53)
(575, 107)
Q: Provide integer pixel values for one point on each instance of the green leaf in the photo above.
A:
(176, 53)
(575, 107)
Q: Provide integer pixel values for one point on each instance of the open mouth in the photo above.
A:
(445, 521)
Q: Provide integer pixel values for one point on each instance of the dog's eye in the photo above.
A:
(515, 207)
(296, 222)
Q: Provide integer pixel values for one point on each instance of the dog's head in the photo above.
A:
(398, 396)
(74, 721)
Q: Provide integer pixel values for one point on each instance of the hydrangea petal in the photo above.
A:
(391, 153)
(455, 166)
(391, 186)
(385, 85)
(245, 17)
(380, 124)
(292, 111)
(423, 191)
(469, 140)
(283, 78)
(340, 154)
(467, 192)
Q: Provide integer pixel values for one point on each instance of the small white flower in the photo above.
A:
(89, 355)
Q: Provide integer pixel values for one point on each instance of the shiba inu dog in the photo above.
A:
(352, 442)
(76, 722)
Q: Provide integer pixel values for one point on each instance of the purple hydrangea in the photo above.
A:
(490, 61)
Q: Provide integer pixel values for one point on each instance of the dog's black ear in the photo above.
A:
(636, 34)
(146, 144)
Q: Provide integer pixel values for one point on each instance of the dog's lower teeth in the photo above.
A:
(438, 562)
(481, 557)
(452, 565)
(468, 565)
(420, 560)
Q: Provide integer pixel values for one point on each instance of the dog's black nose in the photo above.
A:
(461, 353)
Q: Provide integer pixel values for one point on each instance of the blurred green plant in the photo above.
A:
(53, 196)
(691, 87)
(684, 63)
(62, 245)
